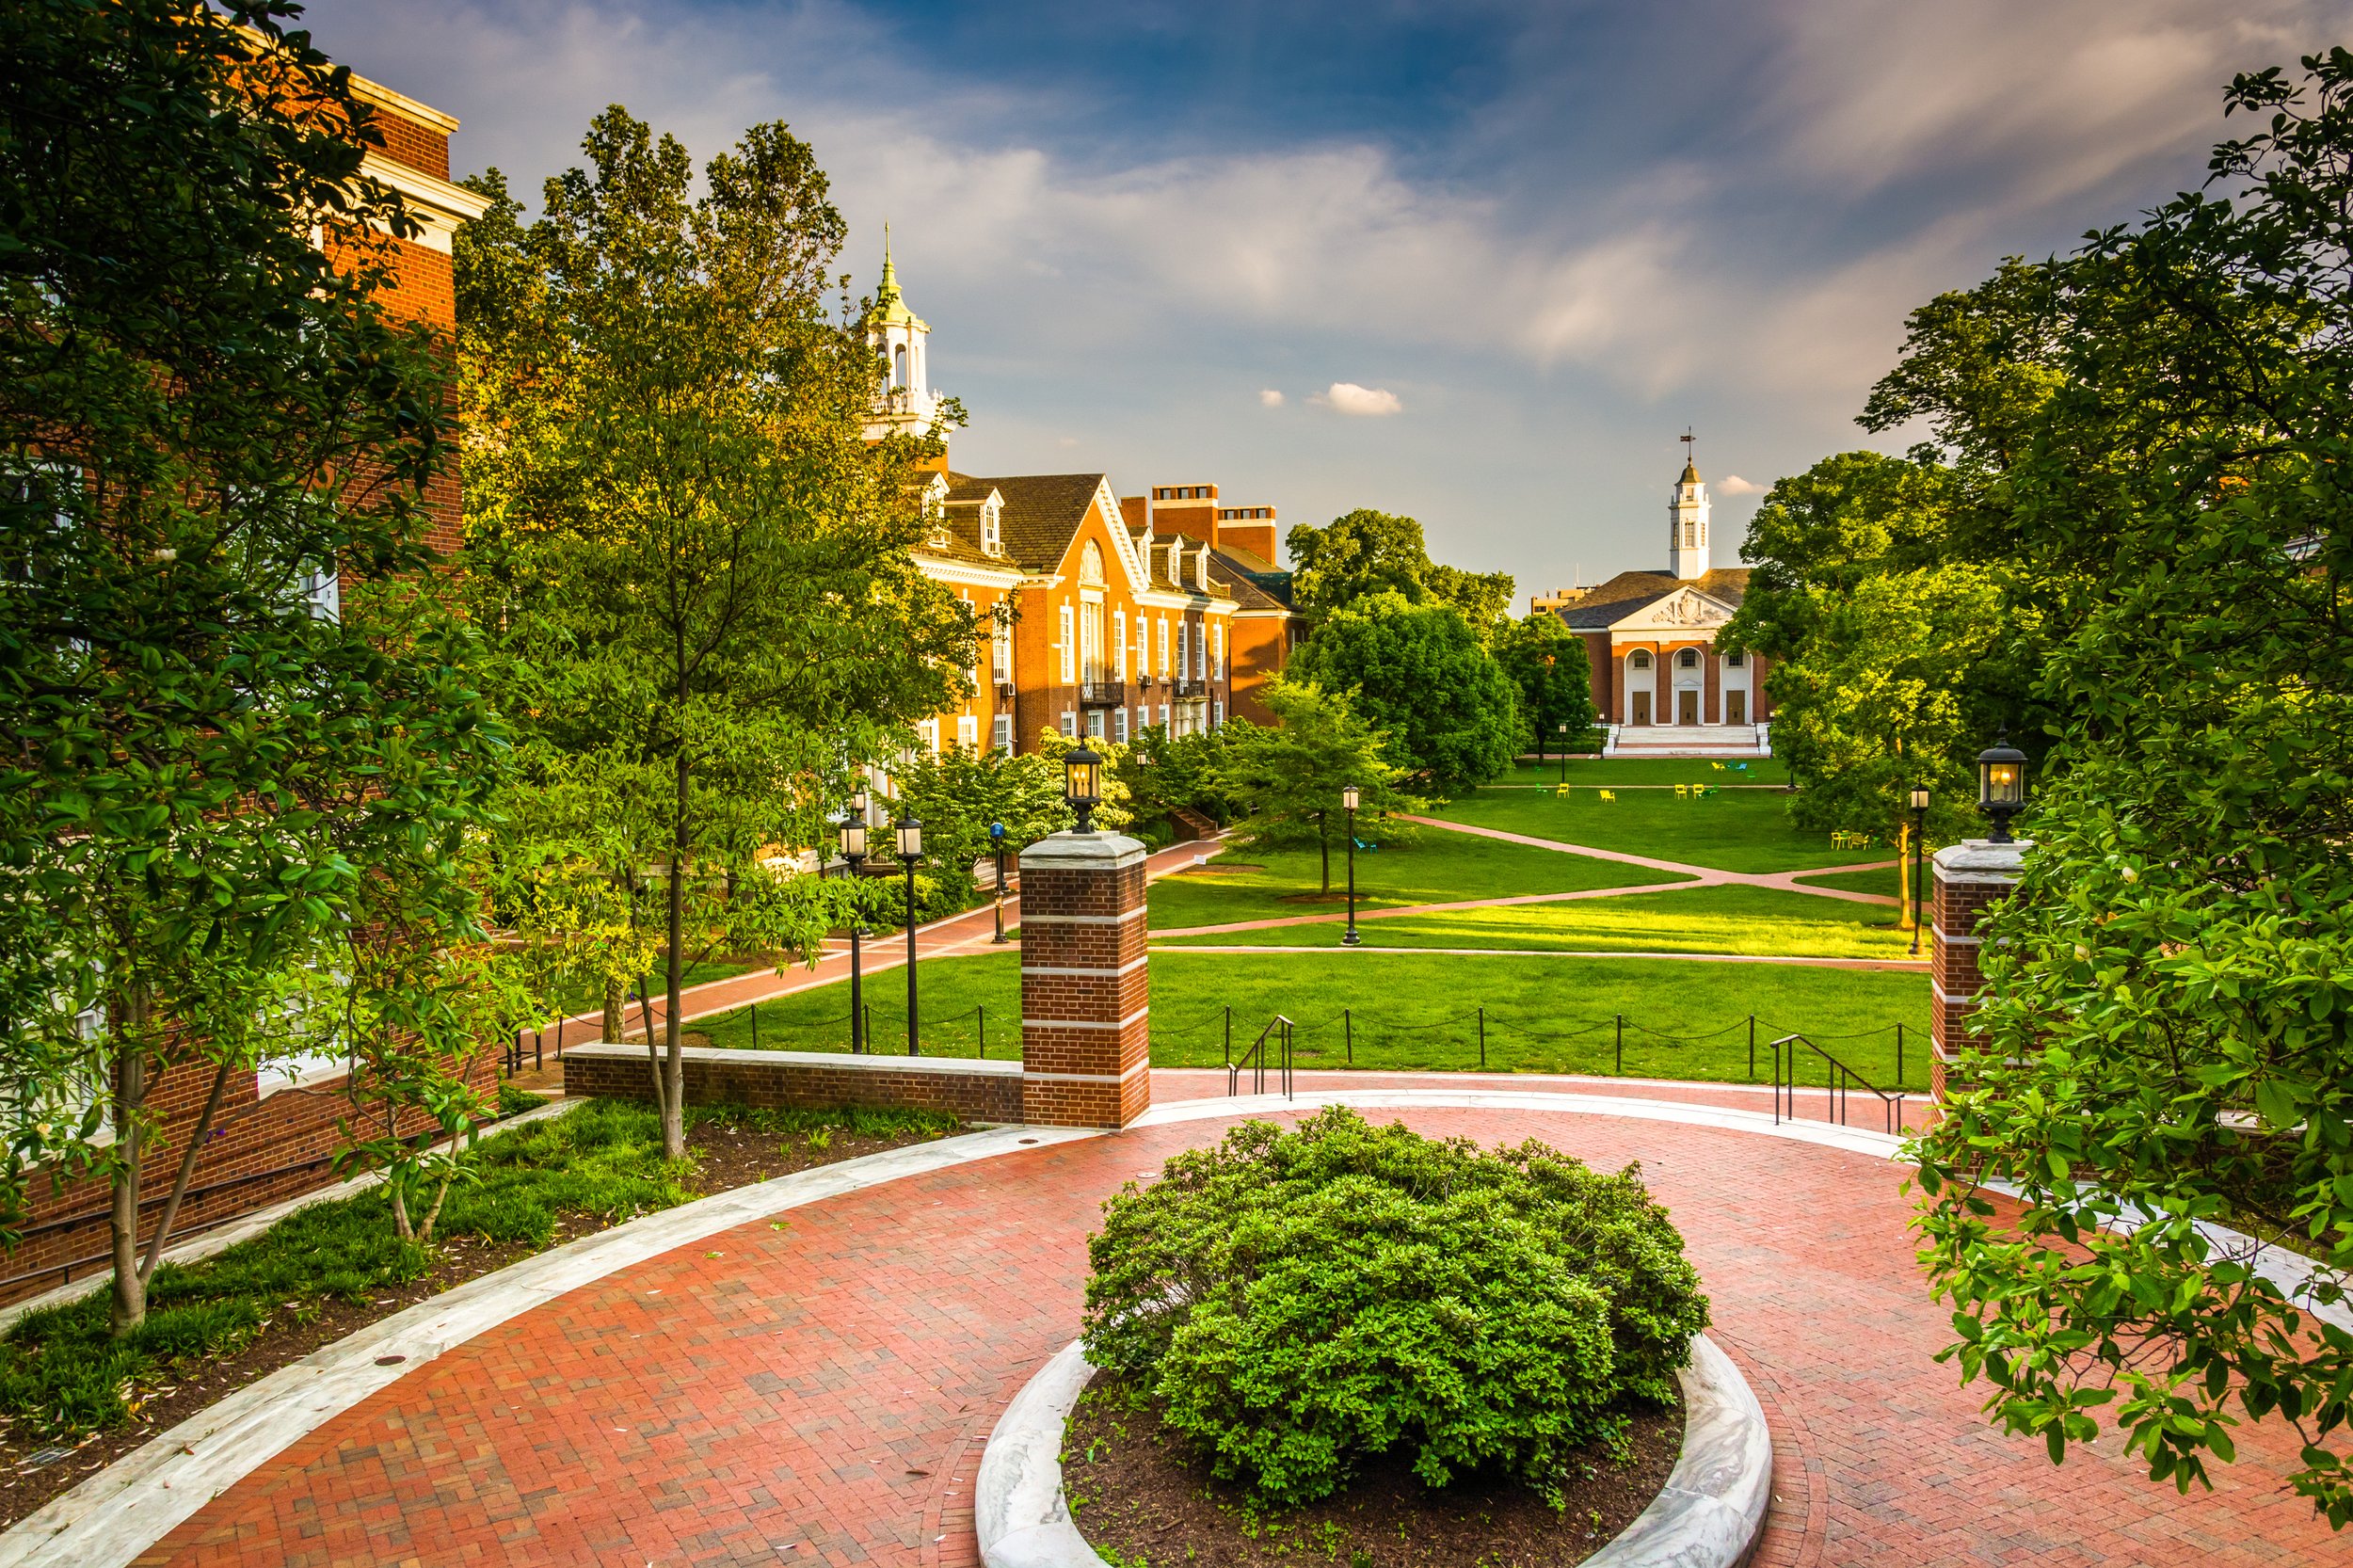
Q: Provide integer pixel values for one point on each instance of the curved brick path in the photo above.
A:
(819, 1392)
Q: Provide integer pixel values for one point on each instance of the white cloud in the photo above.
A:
(1347, 397)
(1732, 484)
(1269, 398)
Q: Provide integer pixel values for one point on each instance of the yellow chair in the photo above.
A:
(1609, 794)
(1683, 792)
(1718, 766)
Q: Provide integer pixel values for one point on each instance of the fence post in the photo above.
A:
(1900, 1056)
(980, 1026)
(1229, 1035)
(1482, 1039)
(1752, 1048)
(755, 1024)
(1348, 1034)
(540, 1047)
(1620, 1070)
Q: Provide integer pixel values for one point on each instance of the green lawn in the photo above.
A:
(1420, 1011)
(1651, 770)
(1739, 830)
(1431, 866)
(1701, 920)
(1887, 881)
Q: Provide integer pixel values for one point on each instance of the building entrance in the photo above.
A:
(1687, 707)
(1641, 708)
(1736, 707)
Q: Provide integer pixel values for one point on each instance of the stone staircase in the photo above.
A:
(1673, 740)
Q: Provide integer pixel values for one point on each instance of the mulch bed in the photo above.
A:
(1142, 1500)
(729, 1158)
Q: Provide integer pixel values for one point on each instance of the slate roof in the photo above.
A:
(1041, 514)
(1631, 591)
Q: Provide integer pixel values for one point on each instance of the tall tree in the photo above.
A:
(1288, 779)
(205, 412)
(1555, 679)
(1421, 674)
(1367, 553)
(700, 564)
(2169, 1039)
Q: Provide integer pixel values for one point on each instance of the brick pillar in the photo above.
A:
(1970, 875)
(1085, 1024)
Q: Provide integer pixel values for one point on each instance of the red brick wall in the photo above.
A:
(1963, 898)
(977, 1092)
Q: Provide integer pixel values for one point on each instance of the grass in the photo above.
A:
(1887, 881)
(1698, 920)
(1739, 830)
(62, 1375)
(580, 999)
(1428, 866)
(1417, 1010)
(1651, 770)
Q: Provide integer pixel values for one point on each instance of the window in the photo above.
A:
(1640, 660)
(1069, 646)
(1184, 652)
(323, 586)
(992, 528)
(1144, 651)
(1144, 716)
(1119, 725)
(1095, 724)
(1164, 715)
(1217, 716)
(1001, 733)
(1689, 659)
(967, 730)
(1217, 654)
(928, 732)
(1736, 661)
(1069, 725)
(899, 366)
(1163, 645)
(1119, 644)
(1000, 644)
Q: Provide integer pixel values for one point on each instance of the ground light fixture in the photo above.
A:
(2002, 784)
(1349, 797)
(910, 833)
(996, 844)
(854, 850)
(1082, 784)
(1919, 853)
(1564, 753)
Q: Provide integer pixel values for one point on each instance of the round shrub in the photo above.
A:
(1301, 1301)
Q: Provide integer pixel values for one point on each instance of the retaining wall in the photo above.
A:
(975, 1091)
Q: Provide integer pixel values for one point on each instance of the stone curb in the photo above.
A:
(1710, 1515)
(116, 1514)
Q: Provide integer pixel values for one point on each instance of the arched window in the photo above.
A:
(1689, 659)
(1737, 661)
(1091, 565)
(899, 366)
(1640, 660)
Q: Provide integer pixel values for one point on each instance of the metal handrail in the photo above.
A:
(1837, 1079)
(1281, 1030)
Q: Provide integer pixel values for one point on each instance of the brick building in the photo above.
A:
(276, 1133)
(1101, 617)
(1651, 639)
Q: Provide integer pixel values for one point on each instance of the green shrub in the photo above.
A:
(514, 1101)
(1302, 1301)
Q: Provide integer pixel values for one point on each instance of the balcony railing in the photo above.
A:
(1104, 694)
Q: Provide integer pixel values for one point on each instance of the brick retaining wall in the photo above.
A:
(975, 1091)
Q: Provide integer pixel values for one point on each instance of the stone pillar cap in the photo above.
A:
(1982, 857)
(1094, 851)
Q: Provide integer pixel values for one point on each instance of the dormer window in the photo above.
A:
(992, 528)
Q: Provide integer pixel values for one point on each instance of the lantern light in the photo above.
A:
(2002, 784)
(1082, 784)
(858, 802)
(1349, 797)
(1919, 800)
(910, 837)
(854, 841)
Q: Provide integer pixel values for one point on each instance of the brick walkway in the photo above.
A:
(819, 1392)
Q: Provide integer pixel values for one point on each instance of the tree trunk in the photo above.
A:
(1907, 915)
(674, 1066)
(129, 1308)
(196, 1135)
(615, 998)
(1323, 842)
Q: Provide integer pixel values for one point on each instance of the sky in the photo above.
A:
(1479, 263)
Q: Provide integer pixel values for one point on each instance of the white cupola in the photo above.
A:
(1687, 525)
(907, 401)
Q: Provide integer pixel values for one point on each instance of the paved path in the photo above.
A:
(1701, 876)
(820, 1390)
(970, 932)
(1894, 966)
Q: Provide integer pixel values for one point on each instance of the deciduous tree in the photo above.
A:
(1420, 675)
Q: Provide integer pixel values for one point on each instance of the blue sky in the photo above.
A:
(1553, 235)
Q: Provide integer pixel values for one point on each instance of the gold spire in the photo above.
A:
(890, 307)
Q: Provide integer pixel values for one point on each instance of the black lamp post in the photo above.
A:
(1919, 853)
(1349, 798)
(854, 850)
(2002, 785)
(1564, 754)
(910, 851)
(1082, 784)
(997, 843)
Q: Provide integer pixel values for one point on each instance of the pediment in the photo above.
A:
(1685, 608)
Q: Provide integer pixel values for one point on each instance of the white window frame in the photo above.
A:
(1069, 644)
(1163, 645)
(967, 730)
(1119, 726)
(1119, 643)
(1000, 730)
(1069, 725)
